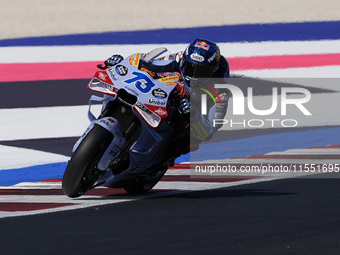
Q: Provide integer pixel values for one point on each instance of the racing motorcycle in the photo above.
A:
(130, 145)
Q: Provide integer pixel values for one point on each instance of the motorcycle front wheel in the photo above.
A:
(81, 173)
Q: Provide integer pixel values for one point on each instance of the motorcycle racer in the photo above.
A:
(200, 65)
(142, 129)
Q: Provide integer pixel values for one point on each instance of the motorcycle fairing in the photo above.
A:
(143, 153)
(152, 93)
(148, 147)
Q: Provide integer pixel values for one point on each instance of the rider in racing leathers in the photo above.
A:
(198, 66)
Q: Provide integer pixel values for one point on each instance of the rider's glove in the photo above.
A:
(184, 105)
(114, 60)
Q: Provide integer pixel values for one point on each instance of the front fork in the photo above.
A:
(110, 124)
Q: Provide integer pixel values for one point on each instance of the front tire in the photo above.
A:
(80, 174)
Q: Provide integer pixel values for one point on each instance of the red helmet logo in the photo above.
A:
(202, 45)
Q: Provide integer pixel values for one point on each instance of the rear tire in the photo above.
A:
(143, 184)
(79, 175)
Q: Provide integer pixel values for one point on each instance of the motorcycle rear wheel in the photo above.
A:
(80, 174)
(143, 184)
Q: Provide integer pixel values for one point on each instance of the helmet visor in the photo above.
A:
(196, 70)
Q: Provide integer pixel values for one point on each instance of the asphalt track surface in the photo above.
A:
(292, 216)
(289, 216)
